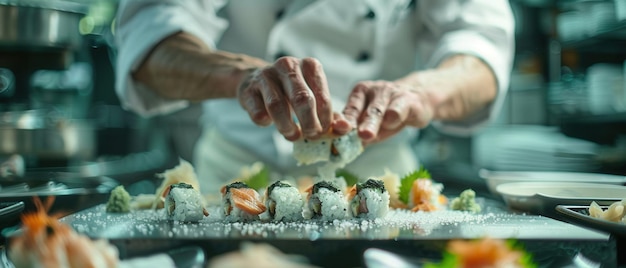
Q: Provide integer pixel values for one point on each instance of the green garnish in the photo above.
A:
(407, 182)
(350, 178)
(119, 201)
(260, 180)
(465, 202)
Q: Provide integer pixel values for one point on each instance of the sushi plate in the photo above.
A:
(580, 215)
(495, 178)
(543, 197)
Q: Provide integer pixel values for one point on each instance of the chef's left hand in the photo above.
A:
(380, 109)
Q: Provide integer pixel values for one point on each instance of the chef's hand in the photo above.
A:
(381, 109)
(291, 86)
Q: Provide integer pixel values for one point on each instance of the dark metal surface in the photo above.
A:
(422, 235)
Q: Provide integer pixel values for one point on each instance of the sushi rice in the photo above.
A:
(369, 200)
(184, 203)
(325, 202)
(283, 202)
(337, 150)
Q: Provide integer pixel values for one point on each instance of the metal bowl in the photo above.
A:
(34, 133)
(40, 23)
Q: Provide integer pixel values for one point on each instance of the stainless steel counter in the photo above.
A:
(341, 243)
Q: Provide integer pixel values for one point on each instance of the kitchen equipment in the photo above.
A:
(10, 213)
(543, 197)
(72, 192)
(36, 24)
(495, 178)
(34, 35)
(45, 82)
(39, 136)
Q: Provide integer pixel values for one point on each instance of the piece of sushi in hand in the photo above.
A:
(283, 202)
(184, 203)
(240, 202)
(369, 200)
(338, 150)
(325, 202)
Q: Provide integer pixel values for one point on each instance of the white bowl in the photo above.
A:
(495, 178)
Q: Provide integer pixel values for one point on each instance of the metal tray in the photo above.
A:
(342, 243)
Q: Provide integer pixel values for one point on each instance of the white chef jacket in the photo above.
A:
(354, 40)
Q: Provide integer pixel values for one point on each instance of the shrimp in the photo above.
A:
(426, 196)
(46, 242)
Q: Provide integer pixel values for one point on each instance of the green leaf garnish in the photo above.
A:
(259, 180)
(407, 182)
(449, 260)
(350, 178)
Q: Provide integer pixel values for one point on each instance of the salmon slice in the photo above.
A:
(351, 192)
(247, 200)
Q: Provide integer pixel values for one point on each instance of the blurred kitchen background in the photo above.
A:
(565, 111)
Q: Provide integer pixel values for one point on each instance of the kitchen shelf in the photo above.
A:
(610, 40)
(601, 129)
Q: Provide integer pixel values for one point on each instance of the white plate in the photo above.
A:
(543, 197)
(495, 178)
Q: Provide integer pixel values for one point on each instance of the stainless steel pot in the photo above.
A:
(40, 23)
(35, 133)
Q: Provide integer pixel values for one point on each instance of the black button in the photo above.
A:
(363, 56)
(280, 54)
(280, 13)
(370, 15)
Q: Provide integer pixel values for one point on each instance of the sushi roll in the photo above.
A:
(184, 203)
(338, 150)
(283, 202)
(241, 203)
(369, 200)
(325, 202)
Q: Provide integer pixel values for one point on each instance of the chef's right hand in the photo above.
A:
(291, 86)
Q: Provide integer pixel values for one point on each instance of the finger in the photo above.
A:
(420, 114)
(251, 100)
(278, 108)
(299, 96)
(397, 112)
(356, 103)
(373, 115)
(316, 80)
(340, 125)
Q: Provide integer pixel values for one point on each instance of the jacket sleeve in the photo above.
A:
(140, 25)
(483, 28)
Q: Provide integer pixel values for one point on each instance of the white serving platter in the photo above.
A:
(543, 197)
(495, 178)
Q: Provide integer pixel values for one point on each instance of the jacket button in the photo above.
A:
(363, 56)
(279, 14)
(370, 15)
